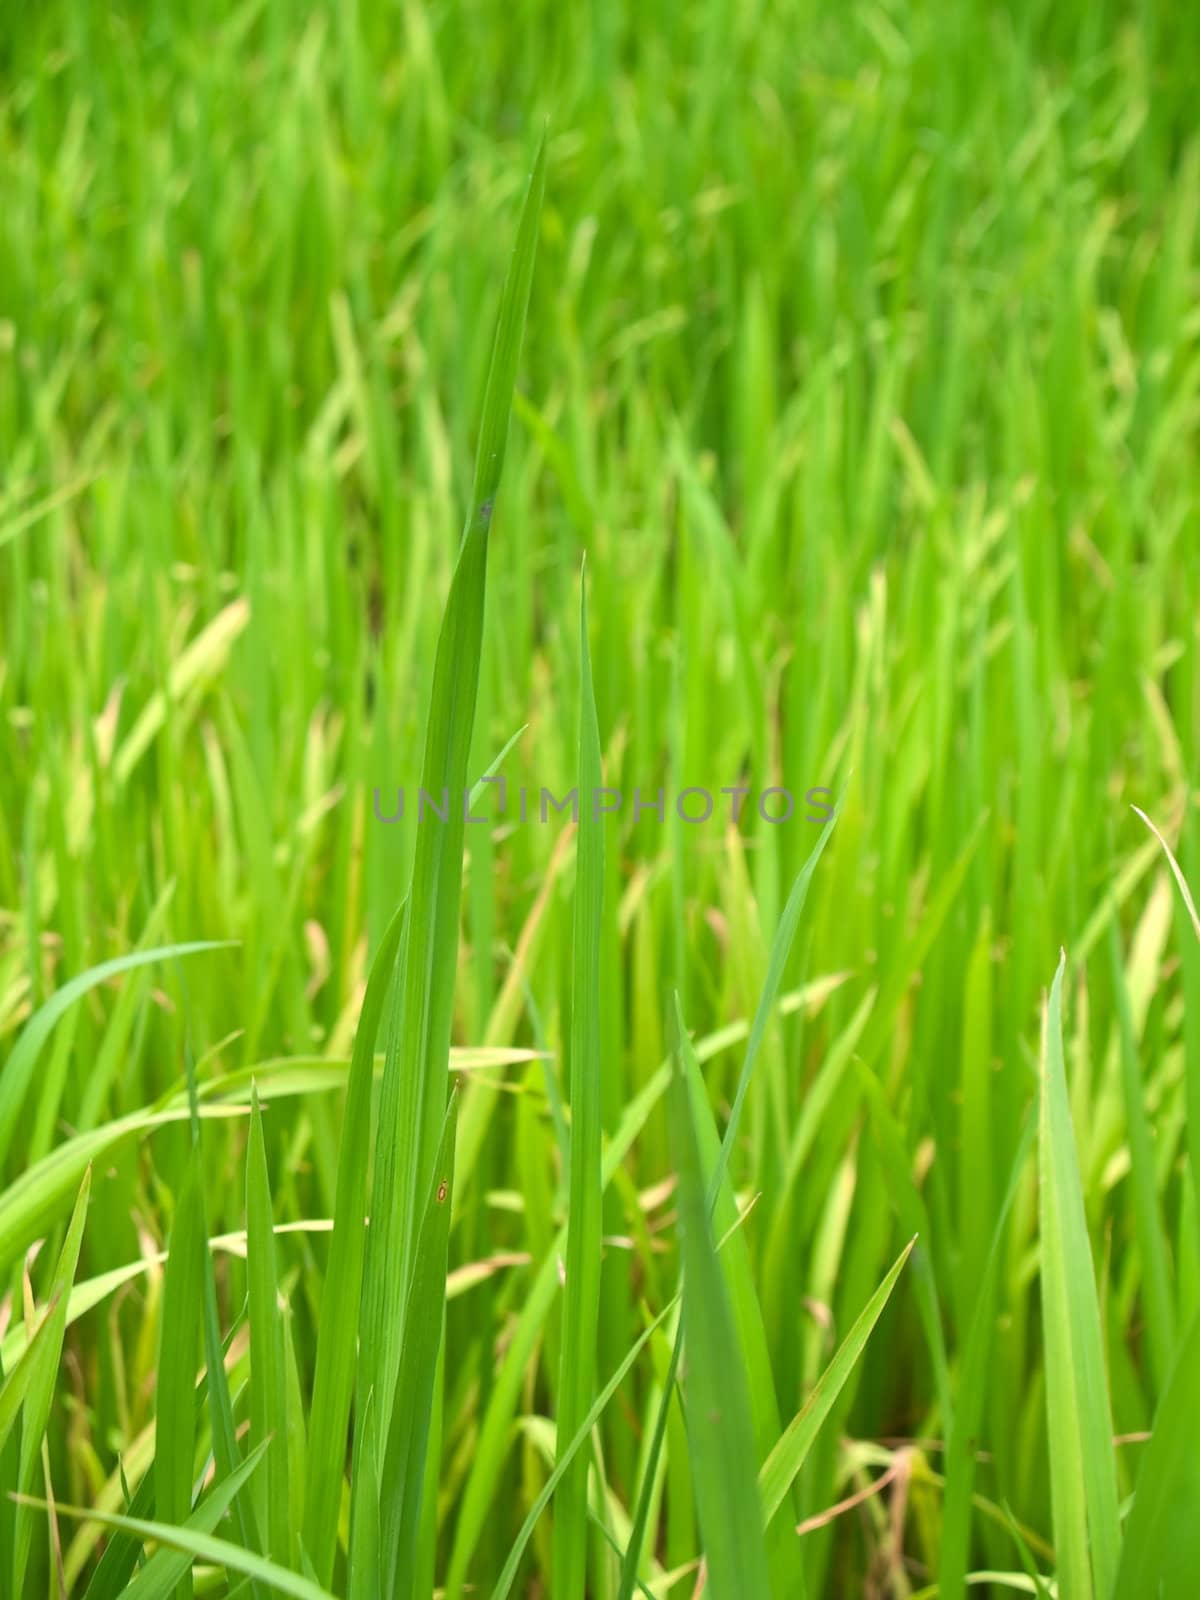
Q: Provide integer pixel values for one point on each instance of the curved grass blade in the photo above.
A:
(19, 1068)
(34, 1202)
(201, 1546)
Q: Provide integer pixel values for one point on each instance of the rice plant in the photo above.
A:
(599, 965)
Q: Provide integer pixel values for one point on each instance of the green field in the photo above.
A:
(611, 1203)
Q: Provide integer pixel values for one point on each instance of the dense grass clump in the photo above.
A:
(584, 1009)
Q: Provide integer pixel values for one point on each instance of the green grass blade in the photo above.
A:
(35, 1201)
(403, 1478)
(1161, 1552)
(780, 1469)
(43, 1377)
(364, 1575)
(1152, 1246)
(18, 1379)
(413, 1096)
(178, 1359)
(971, 1395)
(201, 1546)
(19, 1068)
(226, 1453)
(717, 1399)
(337, 1334)
(1083, 1479)
(163, 1571)
(495, 1429)
(781, 947)
(268, 1399)
(121, 1553)
(581, 1292)
(581, 1436)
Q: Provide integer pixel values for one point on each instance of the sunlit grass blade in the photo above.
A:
(337, 1333)
(781, 1467)
(1176, 872)
(581, 1292)
(43, 1193)
(403, 1476)
(1161, 1551)
(201, 1546)
(716, 1396)
(413, 1095)
(43, 1377)
(20, 1376)
(1083, 1479)
(268, 1401)
(1155, 1269)
(162, 1572)
(19, 1068)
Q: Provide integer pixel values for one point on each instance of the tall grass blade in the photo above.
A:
(1083, 1478)
(1161, 1551)
(403, 1476)
(717, 1399)
(581, 1293)
(43, 1378)
(413, 1096)
(780, 1469)
(337, 1332)
(268, 1398)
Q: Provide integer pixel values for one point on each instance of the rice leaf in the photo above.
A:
(581, 1293)
(268, 1400)
(403, 1476)
(1161, 1551)
(337, 1331)
(717, 1398)
(19, 1068)
(43, 1377)
(413, 1095)
(780, 1469)
(1083, 1478)
(178, 1359)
